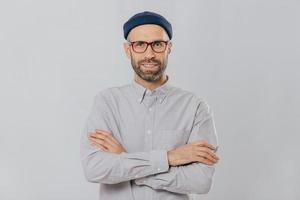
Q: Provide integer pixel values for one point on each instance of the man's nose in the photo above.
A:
(149, 53)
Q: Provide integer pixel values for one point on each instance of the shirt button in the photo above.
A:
(158, 169)
(149, 131)
(150, 109)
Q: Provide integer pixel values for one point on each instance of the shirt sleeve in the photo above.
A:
(194, 178)
(111, 168)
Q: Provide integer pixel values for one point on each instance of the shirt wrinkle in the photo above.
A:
(169, 118)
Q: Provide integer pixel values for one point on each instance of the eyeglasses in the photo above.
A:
(141, 46)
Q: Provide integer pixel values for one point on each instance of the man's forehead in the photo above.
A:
(147, 32)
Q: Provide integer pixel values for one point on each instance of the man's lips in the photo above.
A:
(149, 65)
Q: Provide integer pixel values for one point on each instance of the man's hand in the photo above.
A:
(105, 141)
(199, 151)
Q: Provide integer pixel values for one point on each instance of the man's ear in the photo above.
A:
(127, 49)
(169, 47)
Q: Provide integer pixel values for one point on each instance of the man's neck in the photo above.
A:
(150, 85)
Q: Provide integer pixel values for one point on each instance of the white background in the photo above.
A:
(242, 56)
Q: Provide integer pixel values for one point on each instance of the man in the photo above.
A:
(148, 139)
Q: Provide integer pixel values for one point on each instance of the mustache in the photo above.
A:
(152, 61)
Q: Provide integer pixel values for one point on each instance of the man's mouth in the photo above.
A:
(149, 65)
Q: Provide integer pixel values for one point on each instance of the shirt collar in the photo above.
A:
(161, 91)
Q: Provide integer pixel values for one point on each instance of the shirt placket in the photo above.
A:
(150, 103)
(149, 123)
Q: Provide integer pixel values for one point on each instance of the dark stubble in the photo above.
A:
(150, 76)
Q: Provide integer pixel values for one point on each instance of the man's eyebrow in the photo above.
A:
(160, 39)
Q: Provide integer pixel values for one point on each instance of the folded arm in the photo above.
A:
(193, 178)
(111, 168)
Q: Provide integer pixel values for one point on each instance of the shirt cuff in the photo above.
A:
(160, 164)
(159, 158)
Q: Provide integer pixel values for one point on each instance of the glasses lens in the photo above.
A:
(139, 46)
(159, 46)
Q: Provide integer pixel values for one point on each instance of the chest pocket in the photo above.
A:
(171, 139)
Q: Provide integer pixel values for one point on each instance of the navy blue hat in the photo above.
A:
(147, 18)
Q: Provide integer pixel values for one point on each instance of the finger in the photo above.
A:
(105, 139)
(102, 131)
(207, 156)
(100, 135)
(205, 161)
(99, 146)
(204, 143)
(108, 135)
(101, 142)
(205, 152)
(97, 135)
(208, 151)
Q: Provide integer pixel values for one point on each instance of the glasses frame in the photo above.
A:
(131, 43)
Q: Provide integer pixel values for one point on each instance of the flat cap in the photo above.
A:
(147, 18)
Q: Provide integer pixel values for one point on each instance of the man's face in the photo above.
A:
(149, 65)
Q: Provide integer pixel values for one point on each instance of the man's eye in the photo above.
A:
(157, 44)
(140, 44)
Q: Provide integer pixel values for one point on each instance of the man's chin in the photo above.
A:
(150, 77)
